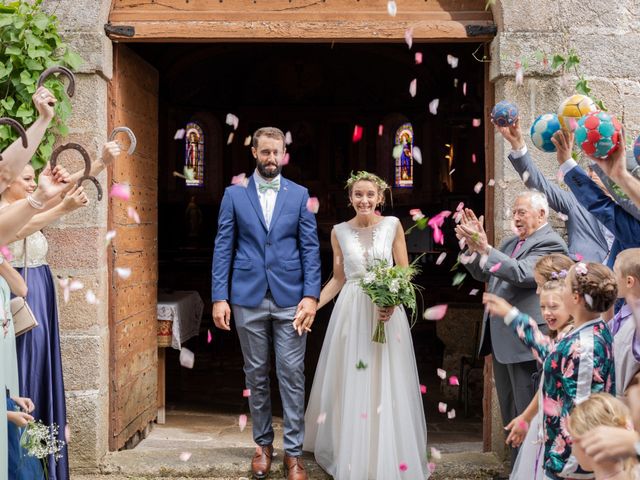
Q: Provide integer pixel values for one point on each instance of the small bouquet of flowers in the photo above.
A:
(39, 440)
(389, 286)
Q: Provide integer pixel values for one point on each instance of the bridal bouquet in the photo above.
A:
(40, 441)
(389, 286)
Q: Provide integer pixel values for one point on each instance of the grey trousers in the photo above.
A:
(259, 328)
(515, 387)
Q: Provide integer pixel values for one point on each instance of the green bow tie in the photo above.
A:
(275, 186)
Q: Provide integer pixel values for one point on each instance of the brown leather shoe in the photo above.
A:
(261, 462)
(294, 468)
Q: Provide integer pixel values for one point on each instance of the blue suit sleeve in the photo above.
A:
(559, 200)
(309, 250)
(223, 250)
(621, 223)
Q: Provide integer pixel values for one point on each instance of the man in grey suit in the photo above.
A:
(587, 237)
(509, 271)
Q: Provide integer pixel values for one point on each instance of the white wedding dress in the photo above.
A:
(365, 418)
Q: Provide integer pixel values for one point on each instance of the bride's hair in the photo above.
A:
(363, 176)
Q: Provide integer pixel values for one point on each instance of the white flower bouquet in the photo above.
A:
(389, 286)
(41, 441)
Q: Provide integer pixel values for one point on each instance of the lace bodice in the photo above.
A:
(37, 248)
(360, 245)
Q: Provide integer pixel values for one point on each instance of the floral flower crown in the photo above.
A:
(366, 176)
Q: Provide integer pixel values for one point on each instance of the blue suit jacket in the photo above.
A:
(284, 258)
(621, 223)
(583, 230)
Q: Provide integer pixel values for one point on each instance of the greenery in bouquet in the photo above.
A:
(41, 441)
(390, 286)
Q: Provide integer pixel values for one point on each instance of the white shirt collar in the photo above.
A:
(258, 178)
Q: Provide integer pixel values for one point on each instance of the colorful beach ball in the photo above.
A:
(636, 149)
(598, 134)
(543, 129)
(504, 114)
(573, 109)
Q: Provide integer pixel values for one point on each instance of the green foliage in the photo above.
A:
(29, 44)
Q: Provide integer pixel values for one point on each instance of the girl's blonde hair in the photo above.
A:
(601, 409)
(596, 283)
(553, 266)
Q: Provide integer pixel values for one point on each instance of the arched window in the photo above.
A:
(403, 154)
(194, 155)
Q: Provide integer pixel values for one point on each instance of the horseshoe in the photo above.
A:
(71, 88)
(18, 127)
(87, 163)
(132, 138)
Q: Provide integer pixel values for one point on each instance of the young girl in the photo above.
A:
(580, 364)
(598, 410)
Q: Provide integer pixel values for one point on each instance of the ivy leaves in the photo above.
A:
(29, 44)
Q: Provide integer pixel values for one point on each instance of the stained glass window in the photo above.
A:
(194, 155)
(403, 154)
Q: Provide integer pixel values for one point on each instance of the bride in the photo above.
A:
(365, 418)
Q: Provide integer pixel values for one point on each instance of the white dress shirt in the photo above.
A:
(267, 198)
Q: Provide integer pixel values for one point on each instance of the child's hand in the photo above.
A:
(20, 419)
(496, 305)
(518, 430)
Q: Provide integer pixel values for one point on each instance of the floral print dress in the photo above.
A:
(579, 364)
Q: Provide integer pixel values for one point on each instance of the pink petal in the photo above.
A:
(495, 267)
(423, 389)
(473, 158)
(110, 235)
(209, 336)
(579, 257)
(433, 106)
(232, 120)
(313, 205)
(460, 206)
(441, 258)
(285, 159)
(321, 418)
(438, 236)
(453, 61)
(242, 421)
(179, 135)
(187, 358)
(435, 453)
(133, 214)
(246, 393)
(403, 467)
(417, 154)
(185, 456)
(519, 74)
(380, 130)
(464, 88)
(452, 170)
(491, 183)
(442, 407)
(392, 8)
(91, 298)
(474, 291)
(230, 138)
(563, 217)
(413, 87)
(247, 141)
(6, 253)
(357, 133)
(76, 285)
(415, 211)
(436, 312)
(453, 381)
(452, 414)
(123, 273)
(431, 466)
(240, 179)
(476, 122)
(418, 58)
(408, 37)
(67, 433)
(477, 187)
(121, 191)
(441, 373)
(288, 139)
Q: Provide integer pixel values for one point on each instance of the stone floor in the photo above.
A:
(204, 445)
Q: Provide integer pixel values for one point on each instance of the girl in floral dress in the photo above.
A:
(580, 364)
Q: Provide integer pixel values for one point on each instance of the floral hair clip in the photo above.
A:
(558, 275)
(581, 268)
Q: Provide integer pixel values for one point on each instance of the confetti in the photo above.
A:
(67, 433)
(321, 418)
(285, 159)
(246, 393)
(474, 291)
(476, 122)
(313, 205)
(525, 176)
(418, 58)
(442, 407)
(392, 8)
(380, 130)
(458, 278)
(240, 179)
(288, 139)
(436, 312)
(519, 74)
(232, 120)
(451, 414)
(417, 154)
(357, 134)
(6, 253)
(441, 373)
(495, 268)
(133, 214)
(462, 242)
(436, 454)
(185, 456)
(441, 258)
(453, 61)
(563, 217)
(491, 183)
(247, 141)
(455, 83)
(187, 358)
(413, 87)
(91, 298)
(477, 187)
(179, 135)
(121, 191)
(466, 259)
(242, 421)
(209, 336)
(230, 138)
(408, 37)
(452, 170)
(453, 381)
(364, 415)
(423, 389)
(433, 106)
(579, 257)
(473, 158)
(76, 285)
(438, 236)
(123, 273)
(464, 88)
(588, 299)
(379, 409)
(431, 466)
(403, 467)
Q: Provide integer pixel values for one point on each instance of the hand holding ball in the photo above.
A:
(598, 134)
(573, 109)
(543, 129)
(504, 114)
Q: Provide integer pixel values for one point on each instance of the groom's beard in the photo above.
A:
(268, 174)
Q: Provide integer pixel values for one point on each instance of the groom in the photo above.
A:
(267, 246)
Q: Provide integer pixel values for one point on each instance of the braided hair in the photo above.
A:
(596, 283)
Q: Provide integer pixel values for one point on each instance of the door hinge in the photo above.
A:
(481, 30)
(119, 30)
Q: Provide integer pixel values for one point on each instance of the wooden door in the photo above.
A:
(133, 102)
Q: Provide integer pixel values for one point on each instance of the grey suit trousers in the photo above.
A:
(259, 328)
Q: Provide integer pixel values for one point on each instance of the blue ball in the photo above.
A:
(504, 114)
(543, 129)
